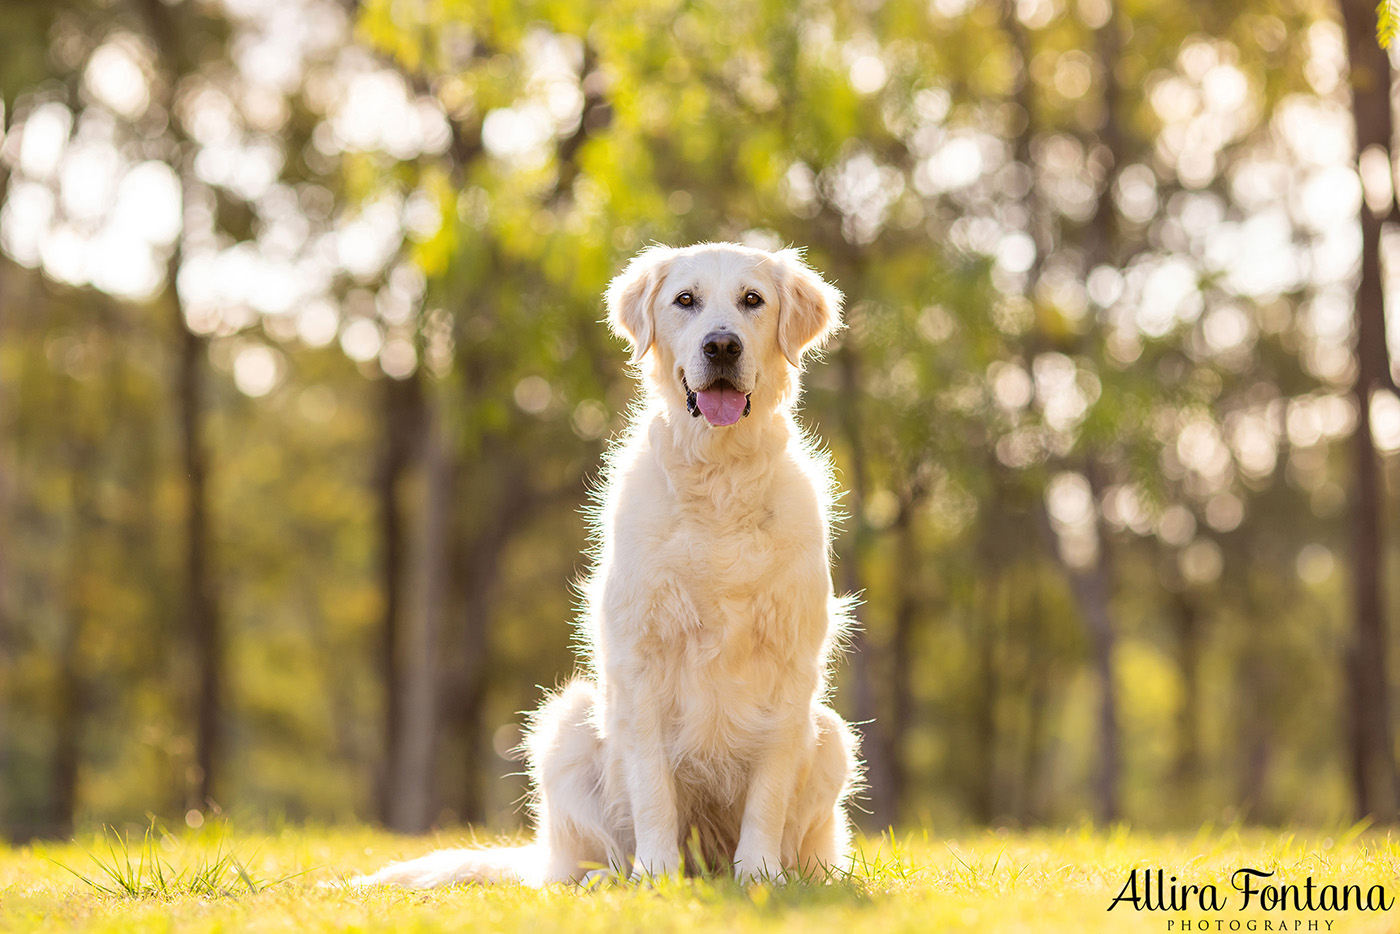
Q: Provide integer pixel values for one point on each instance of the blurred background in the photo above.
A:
(303, 387)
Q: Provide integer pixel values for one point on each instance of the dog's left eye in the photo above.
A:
(753, 299)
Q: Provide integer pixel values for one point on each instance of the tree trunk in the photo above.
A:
(6, 523)
(906, 616)
(202, 618)
(71, 688)
(1031, 805)
(401, 404)
(508, 495)
(984, 720)
(1186, 770)
(1254, 740)
(411, 809)
(1260, 683)
(865, 667)
(478, 568)
(1373, 753)
(1091, 593)
(1091, 588)
(67, 727)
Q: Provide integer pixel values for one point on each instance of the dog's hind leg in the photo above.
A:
(572, 809)
(818, 835)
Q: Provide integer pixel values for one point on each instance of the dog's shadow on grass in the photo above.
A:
(863, 882)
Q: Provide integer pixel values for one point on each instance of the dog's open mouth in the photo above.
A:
(719, 402)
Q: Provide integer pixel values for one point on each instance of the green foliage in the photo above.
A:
(1387, 23)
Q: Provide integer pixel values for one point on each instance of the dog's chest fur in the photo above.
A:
(722, 616)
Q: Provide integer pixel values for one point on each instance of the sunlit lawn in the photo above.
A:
(220, 880)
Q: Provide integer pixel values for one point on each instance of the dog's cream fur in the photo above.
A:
(700, 735)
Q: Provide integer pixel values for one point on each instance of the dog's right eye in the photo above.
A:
(685, 299)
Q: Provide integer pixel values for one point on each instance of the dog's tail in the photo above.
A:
(497, 864)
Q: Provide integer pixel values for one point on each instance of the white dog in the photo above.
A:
(700, 736)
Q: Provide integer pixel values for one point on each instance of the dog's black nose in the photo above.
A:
(722, 347)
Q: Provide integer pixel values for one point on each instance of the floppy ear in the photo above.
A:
(810, 310)
(632, 295)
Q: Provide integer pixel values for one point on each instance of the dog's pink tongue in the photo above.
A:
(721, 406)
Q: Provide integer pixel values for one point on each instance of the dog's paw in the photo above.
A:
(598, 878)
(755, 869)
(645, 869)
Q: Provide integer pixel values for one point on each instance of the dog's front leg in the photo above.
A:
(771, 786)
(655, 819)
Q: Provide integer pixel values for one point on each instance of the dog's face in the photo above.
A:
(727, 326)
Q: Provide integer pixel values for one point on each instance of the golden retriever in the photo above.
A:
(699, 737)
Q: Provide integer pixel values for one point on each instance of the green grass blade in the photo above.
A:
(1387, 22)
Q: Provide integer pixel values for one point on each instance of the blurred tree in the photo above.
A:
(1089, 409)
(411, 807)
(177, 34)
(1372, 737)
(400, 413)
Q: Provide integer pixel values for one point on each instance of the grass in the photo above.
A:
(147, 870)
(217, 879)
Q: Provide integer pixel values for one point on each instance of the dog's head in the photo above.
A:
(726, 326)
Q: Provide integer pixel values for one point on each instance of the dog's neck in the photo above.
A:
(687, 442)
